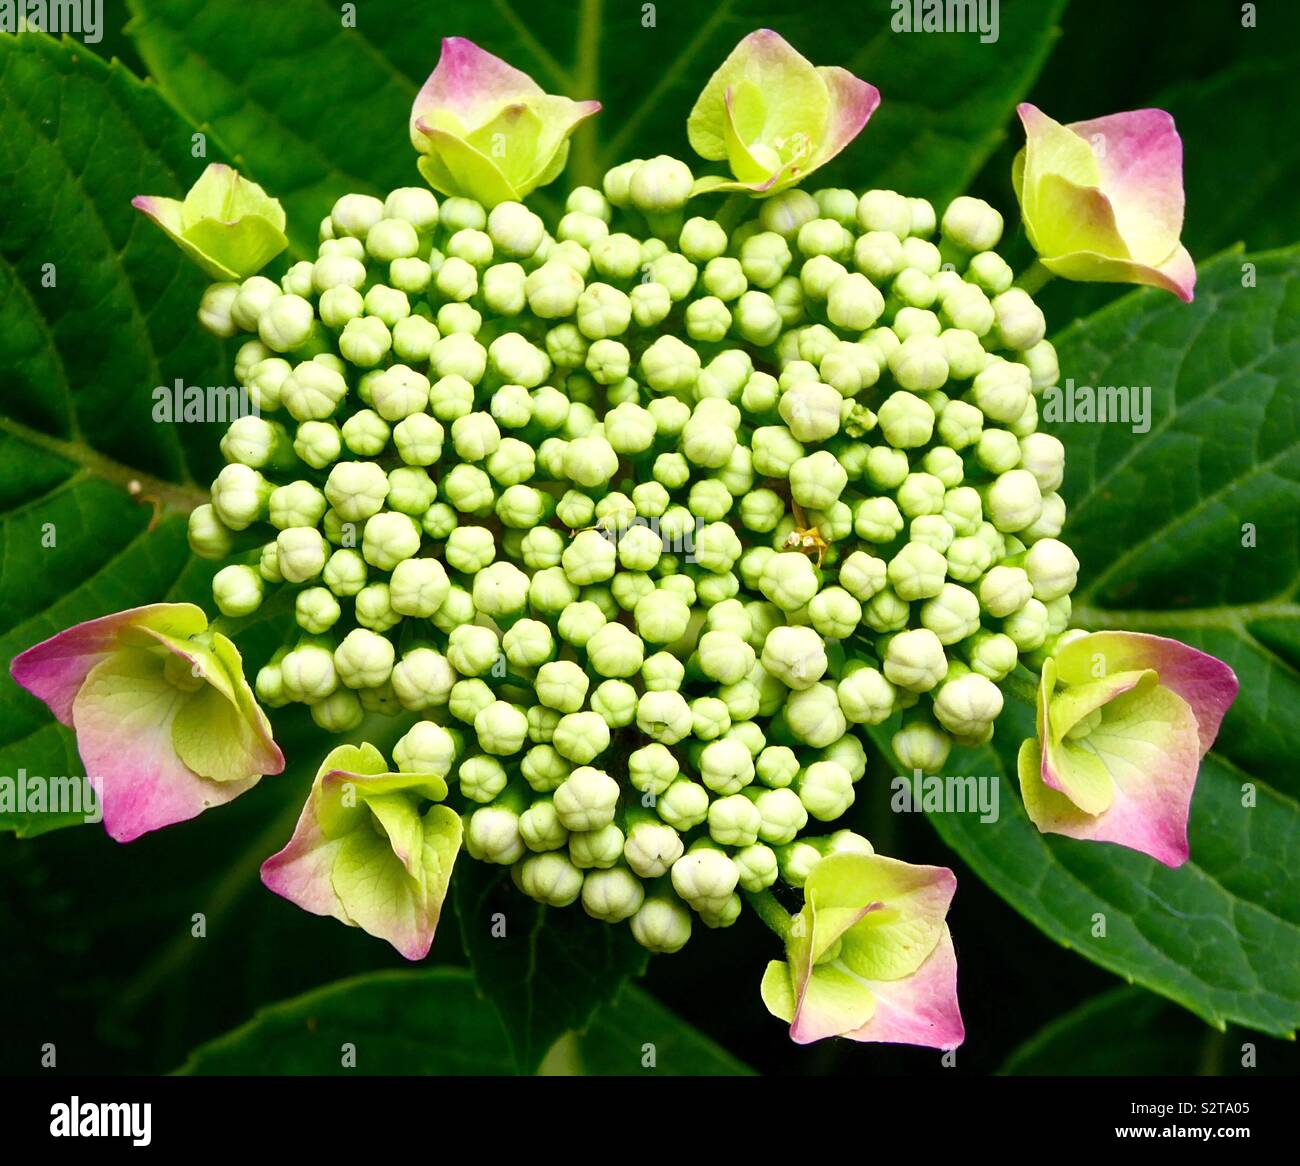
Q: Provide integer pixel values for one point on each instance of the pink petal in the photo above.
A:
(55, 669)
(1205, 682)
(853, 101)
(126, 746)
(301, 871)
(471, 83)
(1141, 160)
(920, 1009)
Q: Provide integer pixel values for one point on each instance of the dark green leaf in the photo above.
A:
(546, 970)
(96, 309)
(426, 1023)
(1126, 1032)
(636, 1034)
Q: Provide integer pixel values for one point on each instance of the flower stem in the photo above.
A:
(773, 915)
(1033, 277)
(1019, 684)
(732, 210)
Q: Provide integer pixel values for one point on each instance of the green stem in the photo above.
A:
(773, 915)
(1033, 277)
(733, 210)
(1018, 685)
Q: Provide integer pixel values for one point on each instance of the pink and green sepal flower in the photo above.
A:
(226, 224)
(1123, 722)
(166, 724)
(487, 131)
(366, 851)
(1102, 200)
(869, 956)
(774, 116)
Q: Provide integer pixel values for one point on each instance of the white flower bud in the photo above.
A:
(915, 660)
(968, 705)
(662, 925)
(1052, 568)
(971, 224)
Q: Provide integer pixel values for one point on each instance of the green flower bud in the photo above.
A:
(835, 613)
(789, 580)
(664, 716)
(866, 697)
(552, 290)
(543, 768)
(921, 745)
(1002, 390)
(586, 800)
(365, 433)
(991, 654)
(863, 575)
(853, 302)
(971, 224)
(952, 615)
(215, 310)
(920, 494)
(423, 679)
(364, 659)
(825, 790)
(906, 420)
(389, 538)
(917, 572)
(1004, 590)
(661, 925)
(1028, 627)
(915, 660)
(501, 728)
(539, 825)
(492, 835)
(814, 716)
(705, 878)
(614, 651)
(1044, 456)
(286, 323)
(237, 590)
(1052, 569)
(612, 895)
(756, 318)
(467, 698)
(781, 815)
(1013, 500)
(340, 712)
(776, 766)
(885, 210)
(878, 255)
(469, 490)
(660, 184)
(300, 553)
(581, 737)
(968, 705)
(599, 849)
(255, 295)
(795, 655)
(1020, 321)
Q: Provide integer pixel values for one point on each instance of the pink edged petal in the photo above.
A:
(1205, 682)
(853, 101)
(470, 83)
(124, 713)
(301, 871)
(1177, 275)
(832, 1003)
(1141, 159)
(1152, 757)
(54, 669)
(921, 1009)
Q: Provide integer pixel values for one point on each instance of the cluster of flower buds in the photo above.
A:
(646, 518)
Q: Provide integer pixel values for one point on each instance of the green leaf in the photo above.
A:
(1125, 1032)
(946, 99)
(1156, 519)
(636, 1034)
(433, 1023)
(426, 1023)
(545, 970)
(96, 309)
